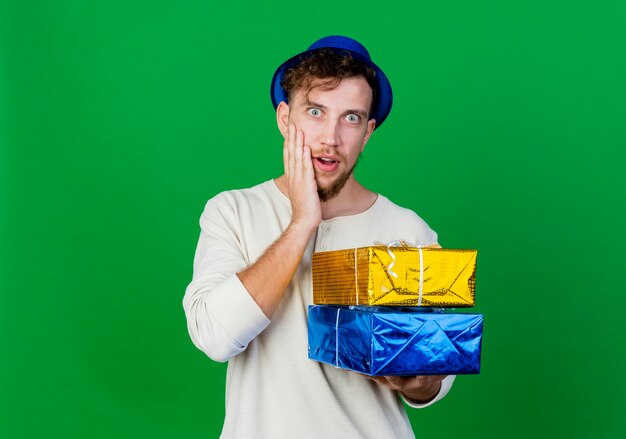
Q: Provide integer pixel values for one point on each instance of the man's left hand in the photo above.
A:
(418, 389)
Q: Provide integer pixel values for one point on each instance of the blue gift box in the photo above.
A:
(395, 341)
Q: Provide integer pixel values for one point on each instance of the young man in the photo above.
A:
(251, 286)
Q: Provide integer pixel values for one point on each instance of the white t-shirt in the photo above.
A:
(272, 389)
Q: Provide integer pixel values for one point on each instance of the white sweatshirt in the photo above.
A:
(272, 389)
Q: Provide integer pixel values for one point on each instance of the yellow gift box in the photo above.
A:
(395, 276)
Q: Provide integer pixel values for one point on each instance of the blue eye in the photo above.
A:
(353, 118)
(315, 112)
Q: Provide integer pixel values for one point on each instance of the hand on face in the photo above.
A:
(300, 177)
(419, 389)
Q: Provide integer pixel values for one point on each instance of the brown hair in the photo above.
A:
(331, 67)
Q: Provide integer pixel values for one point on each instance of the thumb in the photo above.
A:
(396, 381)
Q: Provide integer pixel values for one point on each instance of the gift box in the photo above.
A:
(395, 276)
(395, 341)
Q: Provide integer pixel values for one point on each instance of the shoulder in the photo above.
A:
(406, 220)
(261, 194)
(247, 205)
(388, 207)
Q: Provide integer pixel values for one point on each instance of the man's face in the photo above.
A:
(336, 128)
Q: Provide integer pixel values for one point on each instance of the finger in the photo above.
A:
(307, 158)
(308, 161)
(286, 154)
(291, 146)
(429, 379)
(299, 146)
(403, 382)
(380, 380)
(396, 381)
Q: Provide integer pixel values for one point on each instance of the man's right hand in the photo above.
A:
(267, 279)
(300, 180)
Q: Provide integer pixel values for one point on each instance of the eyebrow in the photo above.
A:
(359, 112)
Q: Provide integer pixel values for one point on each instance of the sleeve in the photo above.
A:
(222, 317)
(446, 385)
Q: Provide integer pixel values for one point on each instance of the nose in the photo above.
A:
(330, 133)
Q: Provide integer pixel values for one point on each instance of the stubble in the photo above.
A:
(333, 190)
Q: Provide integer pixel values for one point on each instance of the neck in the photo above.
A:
(351, 200)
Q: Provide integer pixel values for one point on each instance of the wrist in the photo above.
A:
(299, 234)
(304, 226)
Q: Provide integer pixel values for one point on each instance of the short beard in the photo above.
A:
(331, 192)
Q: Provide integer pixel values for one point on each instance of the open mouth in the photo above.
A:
(326, 161)
(326, 164)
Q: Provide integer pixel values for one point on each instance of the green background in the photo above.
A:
(118, 120)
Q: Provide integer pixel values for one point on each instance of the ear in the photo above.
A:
(282, 118)
(371, 124)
